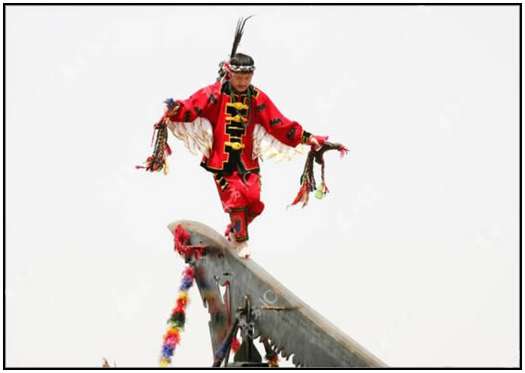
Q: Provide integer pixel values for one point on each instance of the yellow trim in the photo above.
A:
(234, 145)
(238, 119)
(238, 105)
(228, 103)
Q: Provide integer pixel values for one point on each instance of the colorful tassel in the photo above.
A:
(307, 180)
(161, 150)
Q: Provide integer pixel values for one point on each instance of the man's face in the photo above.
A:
(241, 81)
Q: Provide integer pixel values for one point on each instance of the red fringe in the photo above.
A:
(182, 244)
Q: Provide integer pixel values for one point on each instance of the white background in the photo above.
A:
(414, 253)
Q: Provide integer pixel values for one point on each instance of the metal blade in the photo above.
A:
(293, 327)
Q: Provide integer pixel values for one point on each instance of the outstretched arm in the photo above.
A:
(283, 129)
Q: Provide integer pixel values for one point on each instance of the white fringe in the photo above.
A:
(198, 138)
(197, 135)
(265, 147)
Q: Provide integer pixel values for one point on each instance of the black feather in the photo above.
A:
(238, 34)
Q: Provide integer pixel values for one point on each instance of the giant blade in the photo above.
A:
(293, 327)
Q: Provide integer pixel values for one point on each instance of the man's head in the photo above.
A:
(242, 67)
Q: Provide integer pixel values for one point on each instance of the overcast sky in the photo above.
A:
(414, 253)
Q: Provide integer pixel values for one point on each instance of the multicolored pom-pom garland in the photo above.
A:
(178, 314)
(177, 319)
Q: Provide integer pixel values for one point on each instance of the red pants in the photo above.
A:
(241, 199)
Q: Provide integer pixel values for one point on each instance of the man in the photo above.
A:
(226, 122)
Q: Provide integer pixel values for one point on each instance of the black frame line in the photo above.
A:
(518, 4)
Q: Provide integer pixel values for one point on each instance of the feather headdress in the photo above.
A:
(238, 35)
(226, 66)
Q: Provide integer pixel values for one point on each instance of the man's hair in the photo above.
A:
(240, 59)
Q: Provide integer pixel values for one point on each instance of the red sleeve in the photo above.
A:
(283, 129)
(197, 105)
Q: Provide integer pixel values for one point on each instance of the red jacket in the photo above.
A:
(233, 118)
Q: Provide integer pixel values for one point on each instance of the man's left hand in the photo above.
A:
(316, 141)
